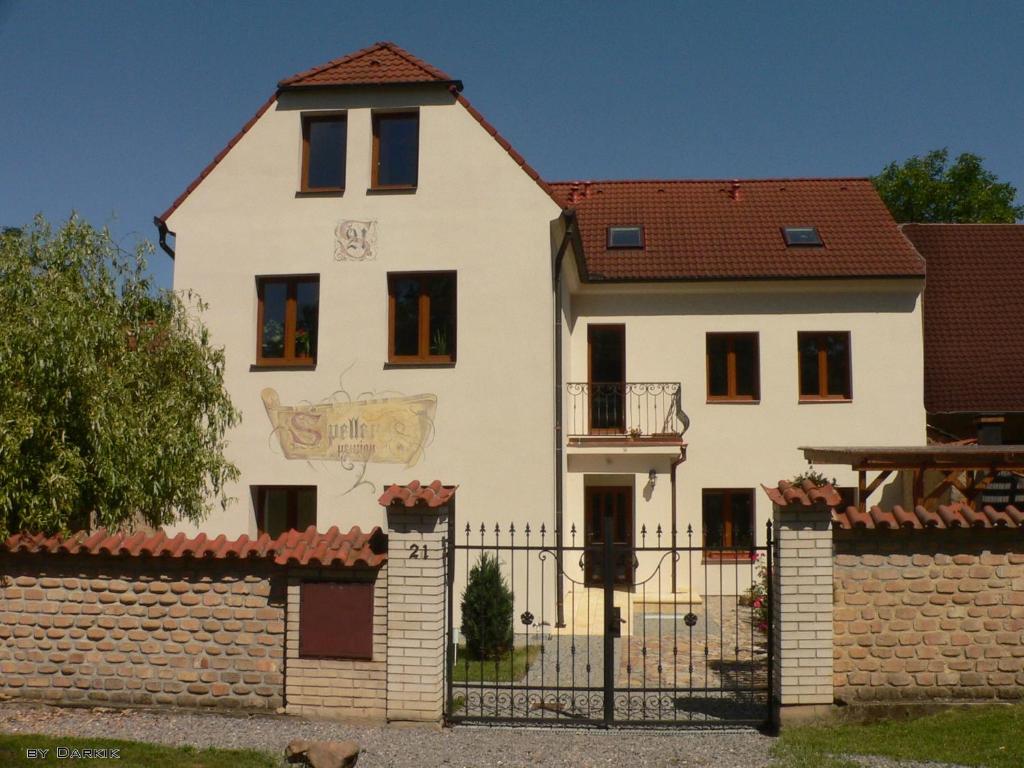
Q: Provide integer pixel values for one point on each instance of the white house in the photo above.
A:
(401, 297)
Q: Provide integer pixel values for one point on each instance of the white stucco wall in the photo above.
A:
(744, 445)
(474, 211)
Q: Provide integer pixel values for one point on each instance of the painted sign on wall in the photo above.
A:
(390, 430)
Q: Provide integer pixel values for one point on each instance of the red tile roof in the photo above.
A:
(415, 494)
(308, 547)
(719, 230)
(919, 518)
(379, 64)
(973, 305)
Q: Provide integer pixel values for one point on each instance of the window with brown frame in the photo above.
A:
(323, 152)
(287, 320)
(283, 508)
(728, 515)
(824, 365)
(733, 367)
(421, 317)
(396, 150)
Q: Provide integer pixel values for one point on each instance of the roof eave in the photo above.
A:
(447, 84)
(597, 278)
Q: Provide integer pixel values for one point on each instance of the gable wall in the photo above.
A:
(475, 211)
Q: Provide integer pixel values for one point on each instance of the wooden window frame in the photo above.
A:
(289, 360)
(259, 493)
(375, 119)
(731, 396)
(823, 395)
(319, 117)
(730, 553)
(424, 320)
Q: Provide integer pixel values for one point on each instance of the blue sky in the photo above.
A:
(112, 108)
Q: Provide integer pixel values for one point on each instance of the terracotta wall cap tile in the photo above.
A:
(416, 494)
(332, 548)
(928, 518)
(905, 519)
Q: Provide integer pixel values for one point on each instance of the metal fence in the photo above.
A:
(628, 650)
(640, 408)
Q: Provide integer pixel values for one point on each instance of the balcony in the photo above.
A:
(632, 413)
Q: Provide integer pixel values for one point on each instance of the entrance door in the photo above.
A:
(616, 501)
(606, 378)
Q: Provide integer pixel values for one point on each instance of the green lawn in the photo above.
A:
(504, 670)
(990, 736)
(133, 754)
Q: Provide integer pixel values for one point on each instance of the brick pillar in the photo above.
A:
(416, 618)
(803, 611)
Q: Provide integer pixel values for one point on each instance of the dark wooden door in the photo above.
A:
(616, 502)
(606, 378)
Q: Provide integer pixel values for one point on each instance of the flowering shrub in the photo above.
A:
(757, 596)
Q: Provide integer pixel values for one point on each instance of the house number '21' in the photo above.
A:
(418, 552)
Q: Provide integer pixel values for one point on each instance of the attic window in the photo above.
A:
(625, 237)
(796, 236)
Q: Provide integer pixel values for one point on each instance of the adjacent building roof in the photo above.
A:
(309, 547)
(946, 516)
(728, 230)
(382, 63)
(973, 305)
(415, 494)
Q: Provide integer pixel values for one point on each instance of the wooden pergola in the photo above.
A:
(968, 468)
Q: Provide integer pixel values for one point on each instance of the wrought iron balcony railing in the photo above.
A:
(634, 409)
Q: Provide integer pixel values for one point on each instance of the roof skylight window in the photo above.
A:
(625, 237)
(806, 236)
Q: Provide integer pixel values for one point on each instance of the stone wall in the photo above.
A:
(929, 615)
(142, 630)
(338, 688)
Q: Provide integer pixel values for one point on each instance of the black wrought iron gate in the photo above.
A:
(605, 633)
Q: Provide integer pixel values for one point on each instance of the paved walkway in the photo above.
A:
(706, 671)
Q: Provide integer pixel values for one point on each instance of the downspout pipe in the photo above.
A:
(569, 217)
(161, 228)
(675, 524)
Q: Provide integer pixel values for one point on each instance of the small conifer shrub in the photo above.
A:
(487, 610)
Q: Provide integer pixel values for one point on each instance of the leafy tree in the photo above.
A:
(487, 610)
(112, 401)
(928, 189)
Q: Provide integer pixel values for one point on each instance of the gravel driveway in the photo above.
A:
(395, 747)
(417, 747)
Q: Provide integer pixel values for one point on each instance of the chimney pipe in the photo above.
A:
(734, 189)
